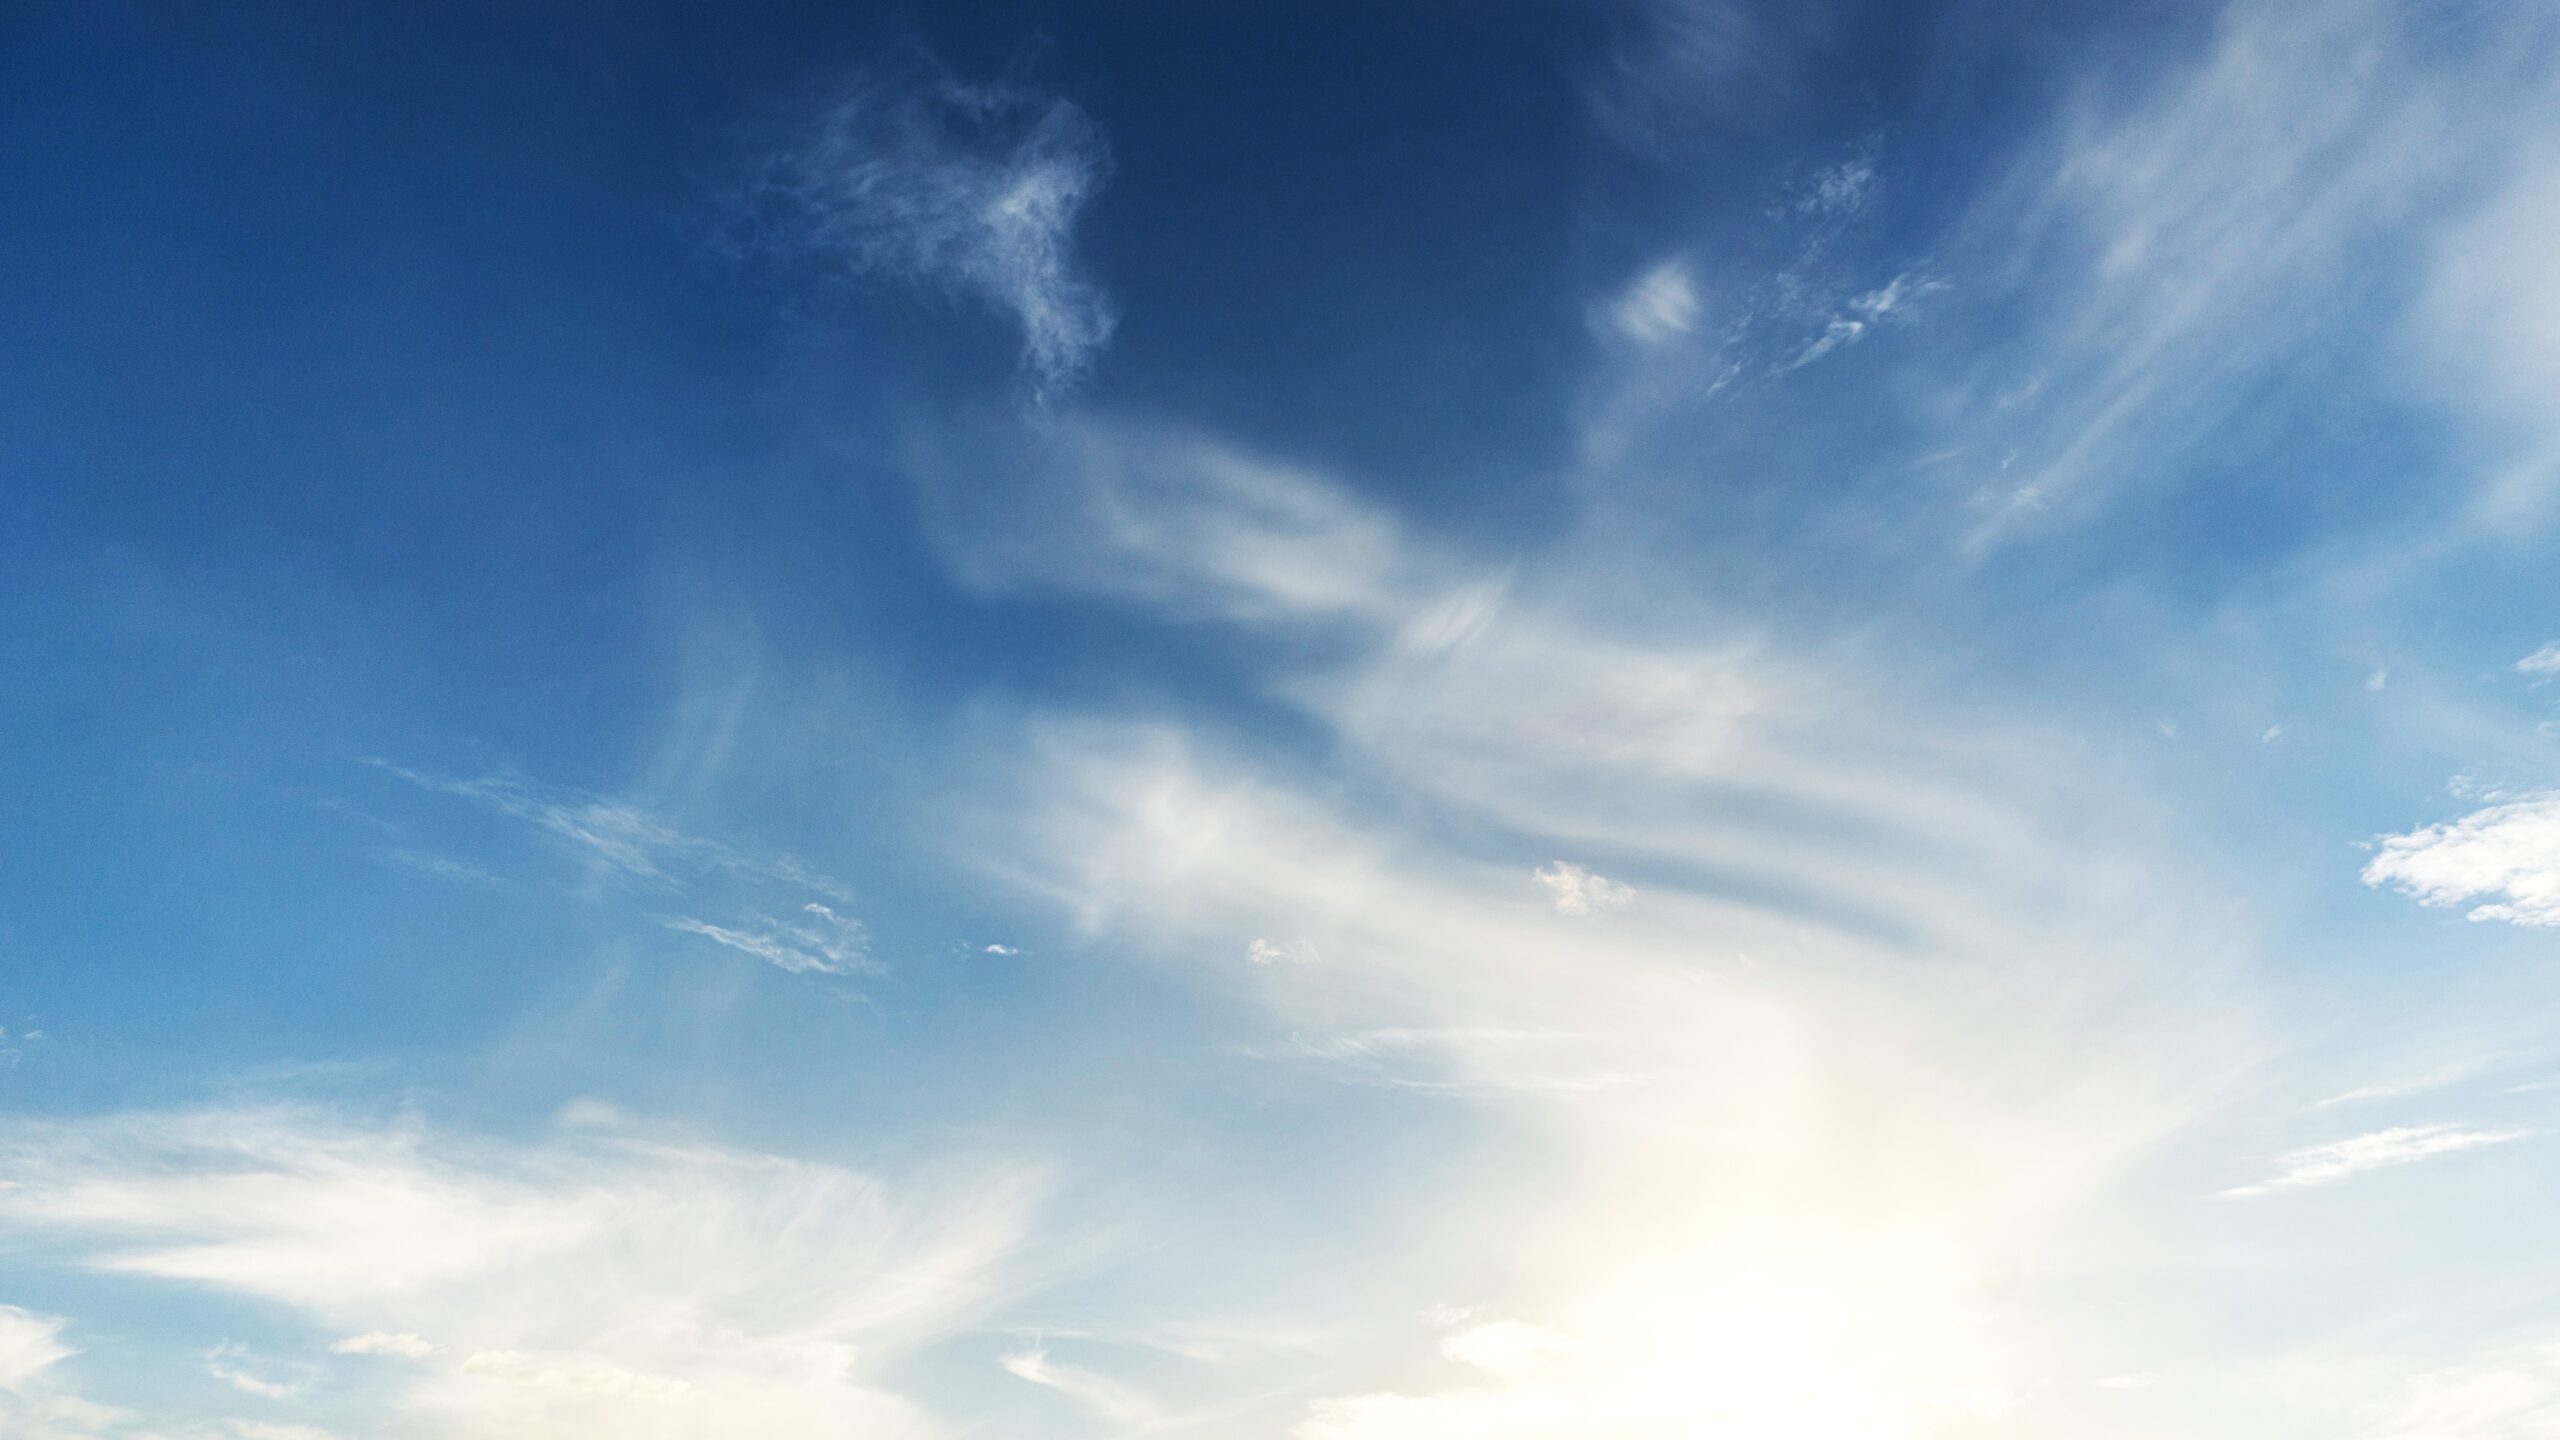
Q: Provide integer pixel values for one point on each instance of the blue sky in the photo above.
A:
(1342, 722)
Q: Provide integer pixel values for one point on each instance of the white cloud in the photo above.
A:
(1281, 952)
(828, 944)
(1835, 334)
(1661, 304)
(2227, 220)
(1099, 1395)
(2489, 323)
(1505, 1349)
(581, 1285)
(273, 1430)
(1836, 985)
(1479, 1062)
(2506, 856)
(1156, 514)
(2438, 1079)
(971, 188)
(1579, 892)
(2344, 1159)
(29, 1345)
(1841, 188)
(2510, 1394)
(2545, 661)
(622, 837)
(383, 1342)
(224, 1363)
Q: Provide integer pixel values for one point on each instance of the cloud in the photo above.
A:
(2511, 1393)
(578, 1285)
(1482, 1062)
(443, 868)
(223, 1364)
(1156, 514)
(1504, 1348)
(2545, 661)
(969, 188)
(1839, 189)
(2178, 241)
(1098, 1395)
(29, 1345)
(2401, 1145)
(2488, 323)
(1839, 984)
(1579, 892)
(1662, 303)
(1281, 952)
(2507, 856)
(828, 944)
(404, 1346)
(2453, 1074)
(621, 837)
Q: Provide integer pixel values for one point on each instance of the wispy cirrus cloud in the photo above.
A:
(553, 1287)
(969, 188)
(1838, 944)
(1089, 1390)
(826, 944)
(2345, 1159)
(2505, 856)
(621, 837)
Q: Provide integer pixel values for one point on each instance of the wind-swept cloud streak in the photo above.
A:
(968, 188)
(1834, 946)
(619, 836)
(558, 1287)
(2345, 1159)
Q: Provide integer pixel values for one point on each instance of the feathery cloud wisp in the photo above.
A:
(576, 1284)
(2400, 1145)
(973, 189)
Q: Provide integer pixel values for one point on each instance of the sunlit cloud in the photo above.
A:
(2505, 857)
(2401, 1145)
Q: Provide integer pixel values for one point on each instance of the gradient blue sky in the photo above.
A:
(1599, 720)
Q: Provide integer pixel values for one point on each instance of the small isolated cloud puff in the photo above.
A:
(972, 189)
(1661, 304)
(2542, 662)
(1579, 892)
(2506, 856)
(2343, 1159)
(1281, 952)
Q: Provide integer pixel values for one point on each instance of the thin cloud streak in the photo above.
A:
(2345, 1159)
